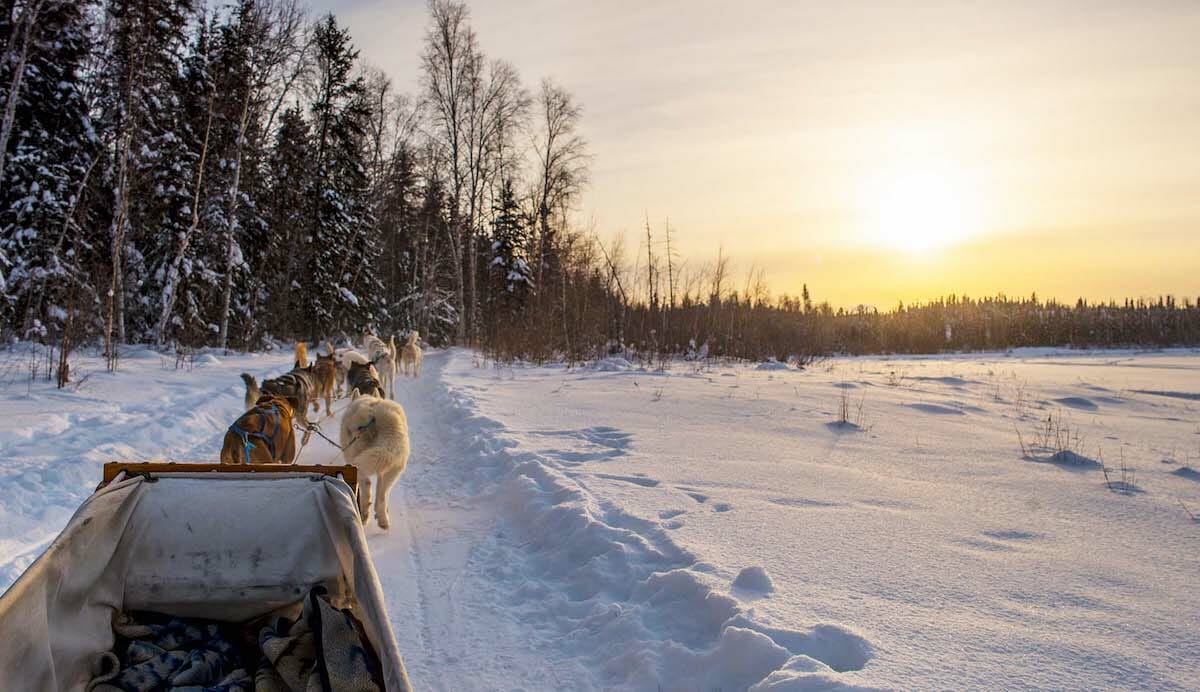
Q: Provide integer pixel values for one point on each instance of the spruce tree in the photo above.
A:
(280, 249)
(184, 280)
(340, 282)
(240, 75)
(511, 275)
(150, 164)
(45, 253)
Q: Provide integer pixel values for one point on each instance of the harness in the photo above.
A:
(313, 427)
(267, 408)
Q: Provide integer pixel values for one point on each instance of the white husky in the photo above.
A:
(411, 356)
(383, 357)
(374, 435)
(345, 356)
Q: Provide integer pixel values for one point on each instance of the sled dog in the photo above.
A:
(374, 435)
(298, 385)
(411, 356)
(362, 378)
(383, 357)
(262, 435)
(324, 373)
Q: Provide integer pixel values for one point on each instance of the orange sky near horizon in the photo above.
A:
(876, 151)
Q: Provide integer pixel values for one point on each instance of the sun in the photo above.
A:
(919, 209)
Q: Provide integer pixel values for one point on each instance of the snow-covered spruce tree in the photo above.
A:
(510, 273)
(282, 245)
(148, 160)
(340, 282)
(235, 179)
(184, 278)
(45, 254)
(257, 57)
(396, 223)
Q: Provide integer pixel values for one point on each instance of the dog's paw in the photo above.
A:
(383, 523)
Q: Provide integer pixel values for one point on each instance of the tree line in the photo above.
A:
(649, 304)
(185, 176)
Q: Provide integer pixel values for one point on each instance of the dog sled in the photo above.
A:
(281, 547)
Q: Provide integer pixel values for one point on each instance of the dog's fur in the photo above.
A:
(383, 357)
(362, 378)
(411, 356)
(297, 386)
(271, 416)
(325, 375)
(374, 434)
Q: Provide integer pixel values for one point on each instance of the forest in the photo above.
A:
(232, 177)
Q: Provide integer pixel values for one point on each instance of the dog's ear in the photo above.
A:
(354, 394)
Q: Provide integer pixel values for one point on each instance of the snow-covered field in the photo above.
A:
(716, 527)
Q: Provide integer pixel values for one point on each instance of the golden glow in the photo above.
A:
(922, 209)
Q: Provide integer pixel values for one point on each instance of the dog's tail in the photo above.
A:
(252, 390)
(412, 338)
(301, 355)
(328, 349)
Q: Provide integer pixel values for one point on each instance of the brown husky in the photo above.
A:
(262, 435)
(325, 372)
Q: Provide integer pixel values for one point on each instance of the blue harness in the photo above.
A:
(265, 411)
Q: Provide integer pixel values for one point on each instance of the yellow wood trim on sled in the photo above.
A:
(112, 468)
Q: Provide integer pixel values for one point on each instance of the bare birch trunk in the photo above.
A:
(171, 285)
(28, 20)
(231, 225)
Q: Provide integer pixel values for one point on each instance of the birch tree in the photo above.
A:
(562, 164)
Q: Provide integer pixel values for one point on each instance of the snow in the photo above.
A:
(613, 364)
(754, 579)
(609, 527)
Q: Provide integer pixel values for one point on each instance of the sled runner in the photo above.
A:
(223, 544)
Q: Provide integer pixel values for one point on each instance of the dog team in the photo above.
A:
(373, 434)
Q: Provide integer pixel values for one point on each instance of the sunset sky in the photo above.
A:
(876, 151)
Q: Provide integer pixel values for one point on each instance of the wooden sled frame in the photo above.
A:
(149, 469)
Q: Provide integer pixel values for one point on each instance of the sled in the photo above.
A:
(226, 543)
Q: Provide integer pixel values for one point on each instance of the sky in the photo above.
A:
(876, 151)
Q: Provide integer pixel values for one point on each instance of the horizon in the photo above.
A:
(878, 155)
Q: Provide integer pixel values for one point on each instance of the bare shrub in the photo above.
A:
(1125, 483)
(851, 415)
(1053, 438)
(844, 408)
